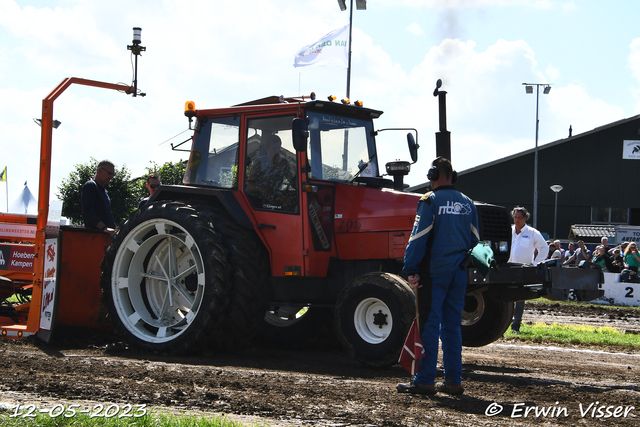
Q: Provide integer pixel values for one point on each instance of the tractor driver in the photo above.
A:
(270, 179)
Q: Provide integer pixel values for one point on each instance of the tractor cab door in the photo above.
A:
(272, 187)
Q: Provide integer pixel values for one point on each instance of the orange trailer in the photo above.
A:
(50, 273)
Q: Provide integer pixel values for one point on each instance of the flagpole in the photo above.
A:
(6, 184)
(349, 60)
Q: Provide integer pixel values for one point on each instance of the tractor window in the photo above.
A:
(271, 181)
(214, 154)
(340, 146)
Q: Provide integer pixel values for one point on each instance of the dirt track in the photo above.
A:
(327, 388)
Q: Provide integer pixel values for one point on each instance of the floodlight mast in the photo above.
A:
(361, 5)
(529, 89)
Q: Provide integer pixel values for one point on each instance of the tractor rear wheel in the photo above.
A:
(373, 316)
(484, 319)
(249, 277)
(165, 279)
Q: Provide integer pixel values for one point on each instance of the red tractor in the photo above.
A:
(287, 227)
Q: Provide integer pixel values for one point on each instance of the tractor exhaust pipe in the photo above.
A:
(443, 137)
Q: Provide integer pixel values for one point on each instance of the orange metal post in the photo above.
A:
(44, 186)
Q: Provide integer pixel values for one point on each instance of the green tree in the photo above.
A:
(170, 174)
(125, 193)
(120, 188)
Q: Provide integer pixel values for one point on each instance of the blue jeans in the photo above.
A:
(447, 302)
(517, 316)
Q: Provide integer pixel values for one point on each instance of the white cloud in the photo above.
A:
(219, 54)
(415, 29)
(634, 64)
(480, 4)
(572, 105)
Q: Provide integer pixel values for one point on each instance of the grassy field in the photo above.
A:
(576, 334)
(580, 335)
(148, 420)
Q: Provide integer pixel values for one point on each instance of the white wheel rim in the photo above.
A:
(471, 317)
(152, 268)
(373, 320)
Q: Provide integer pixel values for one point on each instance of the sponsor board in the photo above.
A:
(631, 149)
(627, 234)
(17, 257)
(22, 231)
(49, 283)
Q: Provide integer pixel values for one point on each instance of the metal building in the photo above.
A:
(599, 172)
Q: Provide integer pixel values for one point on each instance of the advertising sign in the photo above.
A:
(627, 234)
(49, 283)
(17, 257)
(24, 231)
(631, 149)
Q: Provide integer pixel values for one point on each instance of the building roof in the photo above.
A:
(546, 146)
(592, 233)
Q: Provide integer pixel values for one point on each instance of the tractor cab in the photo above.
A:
(297, 168)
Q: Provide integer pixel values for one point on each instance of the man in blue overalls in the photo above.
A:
(445, 228)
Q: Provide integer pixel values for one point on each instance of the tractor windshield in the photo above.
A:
(214, 154)
(339, 146)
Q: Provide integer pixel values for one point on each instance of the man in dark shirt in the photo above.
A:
(96, 205)
(153, 182)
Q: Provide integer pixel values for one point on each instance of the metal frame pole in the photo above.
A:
(535, 171)
(349, 61)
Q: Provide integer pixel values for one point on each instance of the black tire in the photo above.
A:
(298, 327)
(484, 319)
(166, 242)
(373, 316)
(249, 277)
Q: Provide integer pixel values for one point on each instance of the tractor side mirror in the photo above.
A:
(300, 131)
(413, 147)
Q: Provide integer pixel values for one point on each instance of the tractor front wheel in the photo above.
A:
(373, 316)
(484, 319)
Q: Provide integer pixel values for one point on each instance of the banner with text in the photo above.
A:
(332, 50)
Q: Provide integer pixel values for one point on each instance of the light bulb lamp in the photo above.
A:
(136, 50)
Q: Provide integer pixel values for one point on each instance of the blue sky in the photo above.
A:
(223, 53)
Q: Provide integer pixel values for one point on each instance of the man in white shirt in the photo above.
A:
(525, 241)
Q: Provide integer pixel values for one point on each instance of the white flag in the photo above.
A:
(330, 50)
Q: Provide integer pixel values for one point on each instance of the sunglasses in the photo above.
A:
(154, 186)
(109, 172)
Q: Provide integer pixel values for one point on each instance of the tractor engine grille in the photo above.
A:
(495, 226)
